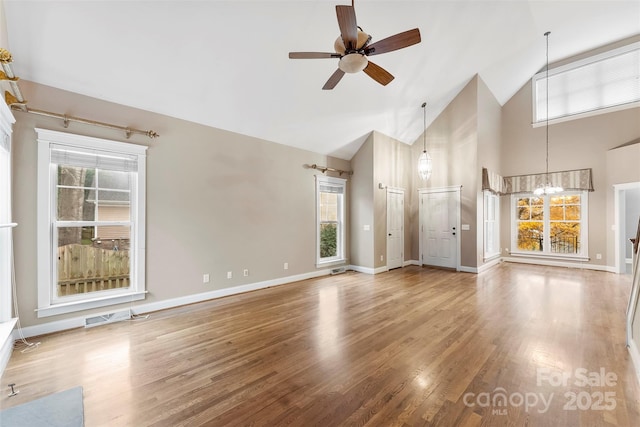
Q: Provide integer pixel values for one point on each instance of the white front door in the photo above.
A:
(395, 228)
(439, 218)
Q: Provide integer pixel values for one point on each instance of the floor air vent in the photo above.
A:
(103, 319)
(338, 270)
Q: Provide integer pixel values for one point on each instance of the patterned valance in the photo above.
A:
(574, 180)
(493, 182)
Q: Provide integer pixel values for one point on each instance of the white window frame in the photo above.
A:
(48, 303)
(491, 203)
(595, 109)
(6, 225)
(583, 255)
(340, 256)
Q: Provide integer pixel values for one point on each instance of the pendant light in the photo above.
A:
(424, 161)
(547, 187)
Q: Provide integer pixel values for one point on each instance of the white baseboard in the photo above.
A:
(465, 269)
(368, 270)
(552, 263)
(635, 358)
(489, 264)
(411, 262)
(78, 322)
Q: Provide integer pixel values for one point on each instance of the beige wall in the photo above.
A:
(216, 201)
(361, 202)
(489, 154)
(380, 160)
(392, 168)
(452, 142)
(574, 144)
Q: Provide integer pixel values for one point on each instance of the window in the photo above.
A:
(330, 194)
(91, 195)
(551, 225)
(491, 225)
(6, 225)
(594, 85)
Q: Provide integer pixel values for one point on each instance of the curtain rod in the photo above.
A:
(324, 169)
(66, 119)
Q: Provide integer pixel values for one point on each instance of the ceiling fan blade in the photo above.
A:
(333, 80)
(395, 42)
(378, 73)
(312, 55)
(348, 26)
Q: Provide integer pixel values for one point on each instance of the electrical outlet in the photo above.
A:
(286, 265)
(598, 256)
(205, 278)
(229, 274)
(381, 257)
(246, 272)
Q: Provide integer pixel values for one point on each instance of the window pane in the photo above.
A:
(572, 213)
(565, 237)
(556, 213)
(537, 212)
(87, 264)
(328, 240)
(524, 213)
(113, 180)
(75, 203)
(71, 203)
(530, 236)
(571, 200)
(328, 207)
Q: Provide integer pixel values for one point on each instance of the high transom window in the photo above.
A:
(594, 85)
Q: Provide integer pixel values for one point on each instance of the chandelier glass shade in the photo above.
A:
(425, 165)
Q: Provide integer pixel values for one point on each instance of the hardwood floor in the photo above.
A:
(409, 347)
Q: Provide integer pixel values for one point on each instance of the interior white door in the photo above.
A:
(395, 228)
(438, 226)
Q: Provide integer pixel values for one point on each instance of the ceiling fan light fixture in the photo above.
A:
(363, 41)
(353, 63)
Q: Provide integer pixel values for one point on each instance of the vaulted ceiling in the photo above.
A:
(225, 63)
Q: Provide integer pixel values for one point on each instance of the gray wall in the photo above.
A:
(216, 201)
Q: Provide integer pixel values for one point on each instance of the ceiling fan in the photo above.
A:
(353, 49)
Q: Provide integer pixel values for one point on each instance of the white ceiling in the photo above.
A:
(225, 63)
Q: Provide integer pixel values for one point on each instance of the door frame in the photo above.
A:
(456, 190)
(396, 191)
(619, 215)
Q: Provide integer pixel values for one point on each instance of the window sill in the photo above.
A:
(6, 328)
(580, 258)
(87, 304)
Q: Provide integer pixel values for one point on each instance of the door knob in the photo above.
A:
(389, 234)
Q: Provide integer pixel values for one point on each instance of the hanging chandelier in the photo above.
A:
(424, 161)
(547, 187)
